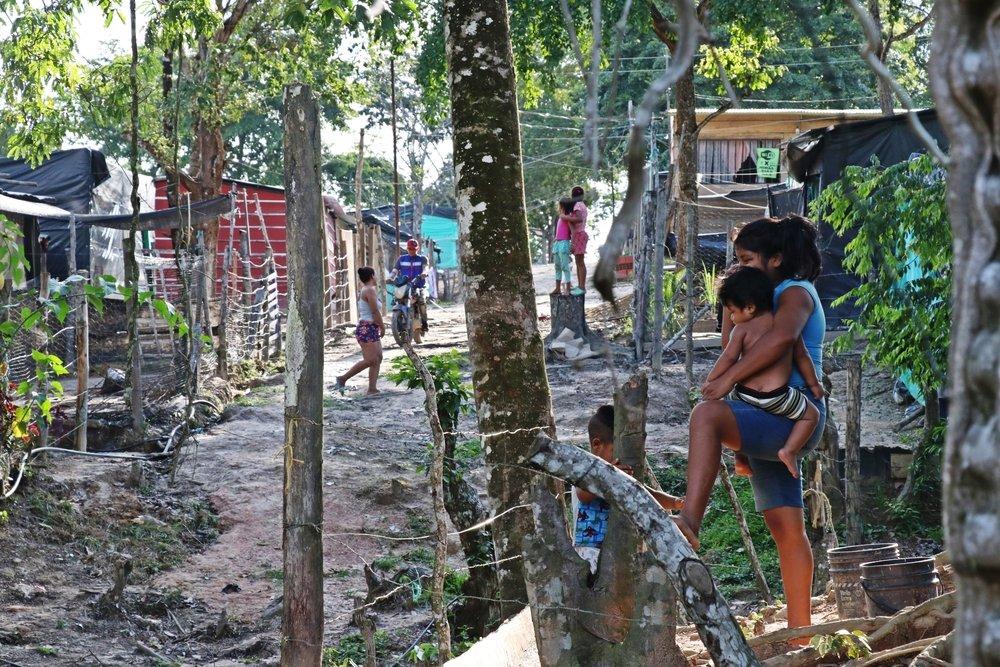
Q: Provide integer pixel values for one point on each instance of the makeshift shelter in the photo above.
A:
(818, 157)
(66, 182)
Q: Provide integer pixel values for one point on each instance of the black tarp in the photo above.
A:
(819, 157)
(57, 229)
(66, 180)
(783, 200)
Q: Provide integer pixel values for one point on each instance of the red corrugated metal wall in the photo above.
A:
(248, 221)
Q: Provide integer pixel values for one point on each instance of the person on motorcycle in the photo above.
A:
(414, 266)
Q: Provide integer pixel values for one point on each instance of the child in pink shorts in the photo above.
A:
(577, 220)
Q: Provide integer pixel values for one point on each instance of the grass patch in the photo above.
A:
(721, 543)
(417, 522)
(47, 650)
(420, 556)
(387, 562)
(274, 575)
(350, 650)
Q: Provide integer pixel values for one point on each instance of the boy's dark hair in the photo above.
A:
(576, 192)
(793, 237)
(566, 204)
(366, 273)
(602, 424)
(743, 286)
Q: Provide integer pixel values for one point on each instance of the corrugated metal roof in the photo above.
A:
(34, 209)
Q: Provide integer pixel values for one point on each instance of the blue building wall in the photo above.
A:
(444, 231)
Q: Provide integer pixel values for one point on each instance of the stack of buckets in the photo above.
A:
(872, 580)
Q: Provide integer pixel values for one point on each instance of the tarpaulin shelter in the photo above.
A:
(818, 157)
(64, 182)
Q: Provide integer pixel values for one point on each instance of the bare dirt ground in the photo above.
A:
(206, 550)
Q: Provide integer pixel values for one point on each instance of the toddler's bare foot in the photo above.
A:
(787, 457)
(669, 502)
(687, 531)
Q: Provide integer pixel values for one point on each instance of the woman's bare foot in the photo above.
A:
(687, 531)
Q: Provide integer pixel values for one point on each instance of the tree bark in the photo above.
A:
(624, 615)
(510, 385)
(688, 575)
(302, 622)
(924, 466)
(133, 382)
(964, 73)
(885, 97)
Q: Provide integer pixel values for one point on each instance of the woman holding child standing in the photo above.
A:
(787, 252)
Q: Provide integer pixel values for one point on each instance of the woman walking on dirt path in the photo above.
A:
(369, 333)
(787, 252)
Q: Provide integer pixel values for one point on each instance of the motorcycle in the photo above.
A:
(405, 327)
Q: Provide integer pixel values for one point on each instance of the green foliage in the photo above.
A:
(453, 394)
(350, 650)
(743, 59)
(377, 179)
(903, 253)
(852, 645)
(722, 543)
(386, 562)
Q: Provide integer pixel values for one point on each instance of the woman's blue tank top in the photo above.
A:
(812, 333)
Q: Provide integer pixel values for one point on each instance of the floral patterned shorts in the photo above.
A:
(579, 242)
(366, 332)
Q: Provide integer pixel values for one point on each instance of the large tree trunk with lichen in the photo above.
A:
(510, 387)
(628, 613)
(685, 143)
(965, 71)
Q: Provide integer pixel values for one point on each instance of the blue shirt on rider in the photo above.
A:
(411, 266)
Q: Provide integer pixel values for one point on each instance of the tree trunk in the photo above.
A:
(302, 622)
(885, 97)
(688, 575)
(627, 616)
(133, 383)
(686, 160)
(510, 385)
(964, 77)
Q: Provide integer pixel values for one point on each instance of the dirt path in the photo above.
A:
(376, 501)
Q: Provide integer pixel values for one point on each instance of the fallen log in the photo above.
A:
(705, 606)
(937, 654)
(865, 625)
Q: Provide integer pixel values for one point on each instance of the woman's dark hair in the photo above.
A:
(793, 237)
(566, 205)
(744, 286)
(576, 192)
(366, 273)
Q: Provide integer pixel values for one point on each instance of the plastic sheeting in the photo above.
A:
(819, 157)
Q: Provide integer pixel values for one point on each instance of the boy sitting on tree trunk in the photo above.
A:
(591, 511)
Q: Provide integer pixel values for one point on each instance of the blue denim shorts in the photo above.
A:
(761, 436)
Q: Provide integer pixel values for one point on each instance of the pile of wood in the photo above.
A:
(918, 636)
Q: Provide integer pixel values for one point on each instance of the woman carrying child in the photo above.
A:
(786, 252)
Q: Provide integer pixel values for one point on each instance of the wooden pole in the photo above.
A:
(659, 241)
(741, 519)
(223, 351)
(395, 165)
(852, 451)
(691, 226)
(247, 289)
(134, 388)
(43, 267)
(302, 622)
(358, 216)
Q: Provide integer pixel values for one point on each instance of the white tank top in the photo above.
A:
(365, 310)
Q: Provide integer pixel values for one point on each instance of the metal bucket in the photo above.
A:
(845, 571)
(891, 585)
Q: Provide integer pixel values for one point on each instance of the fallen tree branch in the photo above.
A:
(893, 653)
(866, 625)
(689, 33)
(937, 654)
(870, 54)
(943, 605)
(704, 604)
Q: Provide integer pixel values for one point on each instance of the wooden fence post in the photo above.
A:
(852, 451)
(662, 212)
(223, 351)
(81, 337)
(741, 519)
(302, 622)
